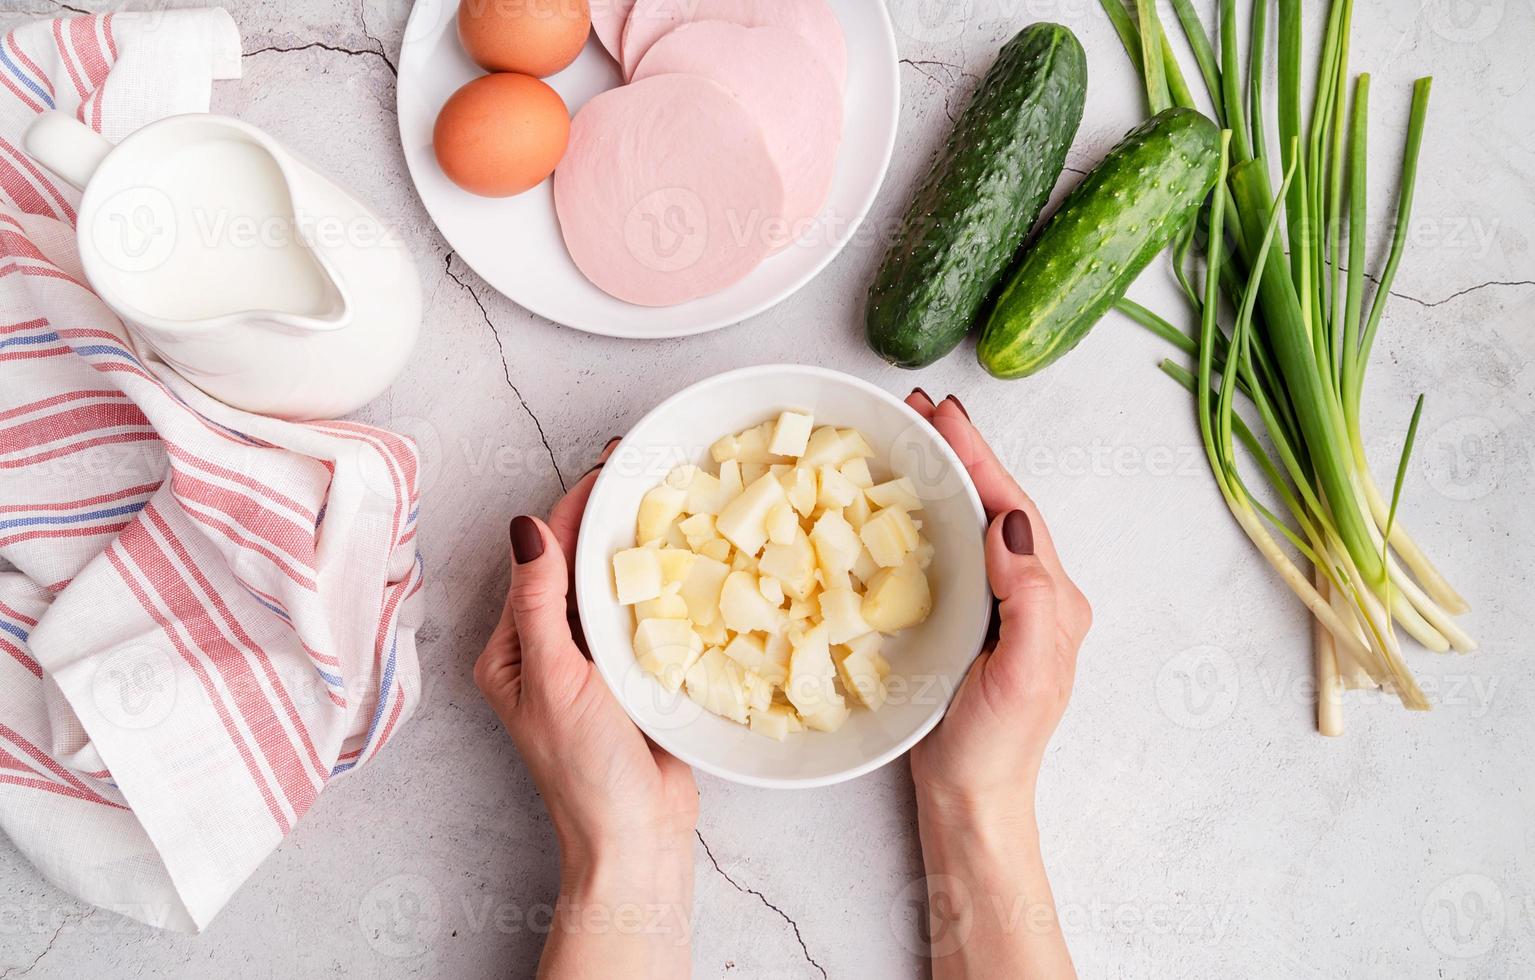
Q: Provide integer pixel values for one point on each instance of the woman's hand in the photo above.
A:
(976, 773)
(623, 810)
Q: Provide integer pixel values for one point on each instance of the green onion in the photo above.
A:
(1295, 331)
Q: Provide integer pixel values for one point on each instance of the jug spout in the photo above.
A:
(66, 146)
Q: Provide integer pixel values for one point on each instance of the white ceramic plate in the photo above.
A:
(927, 661)
(515, 244)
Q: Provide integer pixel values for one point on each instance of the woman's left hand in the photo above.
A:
(624, 810)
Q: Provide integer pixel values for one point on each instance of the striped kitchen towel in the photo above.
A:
(205, 615)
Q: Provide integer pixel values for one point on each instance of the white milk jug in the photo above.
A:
(241, 266)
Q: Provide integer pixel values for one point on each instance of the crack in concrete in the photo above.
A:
(47, 947)
(362, 18)
(763, 899)
(506, 369)
(322, 46)
(1459, 293)
(921, 66)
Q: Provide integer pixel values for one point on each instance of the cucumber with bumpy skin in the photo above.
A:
(979, 200)
(1109, 227)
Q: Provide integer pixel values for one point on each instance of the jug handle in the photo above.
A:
(68, 147)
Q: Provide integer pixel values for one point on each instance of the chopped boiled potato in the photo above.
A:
(812, 687)
(790, 433)
(901, 493)
(771, 589)
(743, 522)
(834, 491)
(750, 650)
(782, 524)
(775, 721)
(730, 481)
(863, 675)
(792, 564)
(667, 648)
(842, 612)
(856, 472)
(701, 589)
(659, 507)
(719, 685)
(743, 607)
(698, 529)
(637, 574)
(718, 550)
(836, 546)
(897, 597)
(799, 486)
(668, 605)
(890, 536)
(792, 516)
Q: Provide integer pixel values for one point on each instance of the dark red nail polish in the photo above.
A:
(612, 442)
(527, 539)
(959, 405)
(592, 470)
(925, 396)
(1018, 533)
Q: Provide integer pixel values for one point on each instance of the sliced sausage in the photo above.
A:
(812, 20)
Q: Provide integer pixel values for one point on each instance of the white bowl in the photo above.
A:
(928, 661)
(515, 244)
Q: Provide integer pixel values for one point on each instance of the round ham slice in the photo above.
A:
(813, 20)
(777, 76)
(608, 19)
(665, 190)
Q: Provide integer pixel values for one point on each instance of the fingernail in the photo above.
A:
(527, 539)
(959, 405)
(593, 469)
(612, 442)
(918, 391)
(1018, 533)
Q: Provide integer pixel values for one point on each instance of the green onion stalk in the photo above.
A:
(1284, 319)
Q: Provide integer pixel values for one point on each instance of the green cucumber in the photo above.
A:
(1109, 227)
(982, 195)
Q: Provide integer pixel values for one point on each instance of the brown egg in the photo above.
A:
(533, 37)
(501, 134)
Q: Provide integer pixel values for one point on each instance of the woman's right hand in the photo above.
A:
(990, 907)
(987, 751)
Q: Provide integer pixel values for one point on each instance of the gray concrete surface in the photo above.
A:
(1194, 824)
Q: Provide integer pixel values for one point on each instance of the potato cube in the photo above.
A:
(774, 721)
(675, 564)
(808, 608)
(752, 472)
(856, 472)
(799, 486)
(824, 447)
(743, 607)
(759, 690)
(717, 550)
(865, 567)
(660, 506)
(718, 685)
(744, 520)
(713, 633)
(701, 589)
(890, 536)
(750, 446)
(704, 493)
(834, 490)
(637, 574)
(868, 644)
(812, 685)
(900, 493)
(790, 434)
(771, 589)
(782, 524)
(750, 651)
(863, 676)
(730, 482)
(667, 605)
(836, 547)
(854, 445)
(792, 564)
(742, 562)
(698, 529)
(667, 648)
(924, 552)
(897, 597)
(842, 613)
